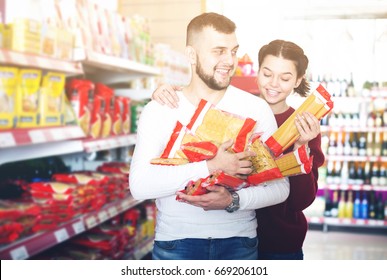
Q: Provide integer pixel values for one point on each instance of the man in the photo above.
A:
(220, 224)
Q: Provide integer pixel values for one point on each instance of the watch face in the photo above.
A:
(234, 204)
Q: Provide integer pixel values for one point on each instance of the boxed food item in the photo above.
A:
(48, 40)
(8, 82)
(52, 99)
(24, 35)
(27, 97)
(65, 44)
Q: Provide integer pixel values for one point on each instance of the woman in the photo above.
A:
(282, 228)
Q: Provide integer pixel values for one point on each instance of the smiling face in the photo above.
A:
(277, 77)
(215, 58)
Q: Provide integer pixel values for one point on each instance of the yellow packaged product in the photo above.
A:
(52, 99)
(25, 35)
(8, 80)
(27, 97)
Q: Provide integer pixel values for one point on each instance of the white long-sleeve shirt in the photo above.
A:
(177, 220)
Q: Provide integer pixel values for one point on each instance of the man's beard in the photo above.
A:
(209, 80)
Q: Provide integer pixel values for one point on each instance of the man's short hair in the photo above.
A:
(219, 22)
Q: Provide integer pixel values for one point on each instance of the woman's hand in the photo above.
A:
(166, 95)
(308, 126)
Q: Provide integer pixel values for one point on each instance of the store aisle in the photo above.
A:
(333, 245)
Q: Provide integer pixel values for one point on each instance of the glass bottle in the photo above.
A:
(364, 206)
(356, 206)
(372, 206)
(341, 206)
(335, 204)
(349, 205)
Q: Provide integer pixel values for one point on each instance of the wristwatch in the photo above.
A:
(234, 205)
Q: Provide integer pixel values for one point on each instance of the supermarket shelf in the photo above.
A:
(347, 222)
(356, 158)
(23, 144)
(352, 187)
(40, 150)
(21, 59)
(121, 70)
(32, 245)
(93, 145)
(29, 136)
(325, 128)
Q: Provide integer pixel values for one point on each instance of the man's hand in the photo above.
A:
(236, 164)
(218, 198)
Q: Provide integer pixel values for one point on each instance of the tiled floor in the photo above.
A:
(336, 245)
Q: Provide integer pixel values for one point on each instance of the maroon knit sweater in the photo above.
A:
(282, 227)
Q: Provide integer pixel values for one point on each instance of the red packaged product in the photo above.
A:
(117, 114)
(96, 240)
(12, 210)
(51, 187)
(78, 178)
(81, 95)
(126, 113)
(10, 231)
(222, 179)
(97, 116)
(107, 94)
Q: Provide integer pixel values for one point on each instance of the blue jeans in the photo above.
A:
(281, 256)
(234, 248)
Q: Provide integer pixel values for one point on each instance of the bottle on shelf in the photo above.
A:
(377, 144)
(328, 203)
(355, 144)
(378, 119)
(335, 204)
(370, 144)
(344, 87)
(367, 173)
(375, 174)
(352, 173)
(341, 205)
(340, 144)
(359, 174)
(356, 206)
(330, 172)
(364, 206)
(347, 150)
(332, 143)
(351, 87)
(344, 173)
(337, 176)
(362, 145)
(372, 205)
(379, 207)
(382, 174)
(349, 206)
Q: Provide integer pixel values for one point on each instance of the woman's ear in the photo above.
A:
(299, 80)
(191, 54)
